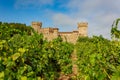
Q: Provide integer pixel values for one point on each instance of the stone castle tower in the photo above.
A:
(51, 33)
(82, 28)
(37, 26)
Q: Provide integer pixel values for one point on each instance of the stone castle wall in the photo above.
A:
(52, 33)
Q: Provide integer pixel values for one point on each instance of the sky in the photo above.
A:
(63, 14)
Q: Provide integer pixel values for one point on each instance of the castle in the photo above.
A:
(52, 33)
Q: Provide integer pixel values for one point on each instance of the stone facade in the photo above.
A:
(51, 33)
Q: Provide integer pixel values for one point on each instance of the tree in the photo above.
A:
(115, 33)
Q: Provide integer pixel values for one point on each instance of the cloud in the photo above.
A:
(100, 15)
(64, 20)
(67, 22)
(32, 3)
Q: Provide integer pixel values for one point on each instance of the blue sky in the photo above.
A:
(64, 14)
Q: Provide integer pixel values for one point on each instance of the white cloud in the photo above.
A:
(62, 19)
(66, 22)
(100, 15)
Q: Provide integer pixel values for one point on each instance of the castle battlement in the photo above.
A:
(51, 33)
(82, 24)
(37, 24)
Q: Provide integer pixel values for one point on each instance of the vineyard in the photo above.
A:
(25, 55)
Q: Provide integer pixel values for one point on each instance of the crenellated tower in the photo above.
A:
(82, 28)
(37, 26)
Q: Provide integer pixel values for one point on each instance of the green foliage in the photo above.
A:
(98, 59)
(7, 30)
(29, 57)
(115, 33)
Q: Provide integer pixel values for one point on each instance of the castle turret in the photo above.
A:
(55, 30)
(82, 28)
(37, 26)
